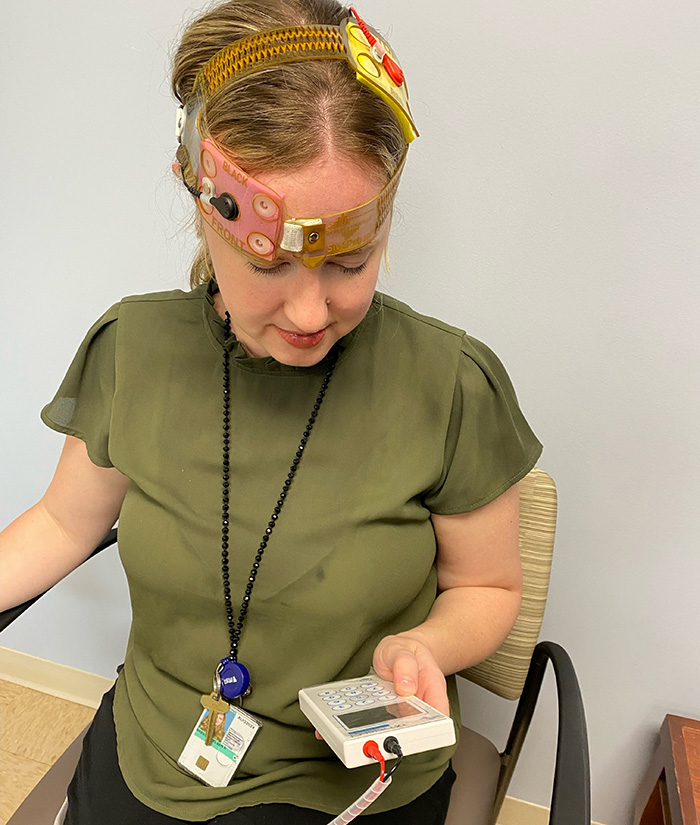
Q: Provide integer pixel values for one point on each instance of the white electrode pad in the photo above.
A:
(348, 714)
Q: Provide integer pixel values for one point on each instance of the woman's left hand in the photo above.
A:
(409, 664)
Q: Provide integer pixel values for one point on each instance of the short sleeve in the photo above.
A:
(489, 445)
(82, 407)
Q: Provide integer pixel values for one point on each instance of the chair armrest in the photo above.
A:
(8, 616)
(571, 793)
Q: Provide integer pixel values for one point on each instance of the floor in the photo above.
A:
(36, 729)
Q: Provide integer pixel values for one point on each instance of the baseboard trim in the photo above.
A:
(53, 678)
(519, 812)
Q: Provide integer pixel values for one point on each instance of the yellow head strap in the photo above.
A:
(288, 45)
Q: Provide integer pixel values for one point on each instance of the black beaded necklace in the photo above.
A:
(234, 677)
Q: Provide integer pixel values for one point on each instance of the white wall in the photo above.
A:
(551, 207)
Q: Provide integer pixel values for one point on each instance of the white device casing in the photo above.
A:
(369, 696)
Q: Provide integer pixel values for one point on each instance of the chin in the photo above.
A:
(292, 357)
(301, 359)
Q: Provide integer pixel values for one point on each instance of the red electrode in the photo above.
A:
(394, 71)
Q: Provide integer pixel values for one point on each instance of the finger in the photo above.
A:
(405, 673)
(380, 667)
(318, 735)
(436, 695)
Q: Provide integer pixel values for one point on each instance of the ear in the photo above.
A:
(176, 167)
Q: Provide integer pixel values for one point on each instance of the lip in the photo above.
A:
(300, 341)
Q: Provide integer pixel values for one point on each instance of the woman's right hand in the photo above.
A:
(60, 531)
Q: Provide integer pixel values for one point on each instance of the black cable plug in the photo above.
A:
(226, 205)
(391, 745)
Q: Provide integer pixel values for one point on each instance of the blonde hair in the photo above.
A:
(283, 117)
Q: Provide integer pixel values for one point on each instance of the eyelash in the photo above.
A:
(275, 270)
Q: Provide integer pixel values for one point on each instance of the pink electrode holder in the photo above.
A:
(259, 226)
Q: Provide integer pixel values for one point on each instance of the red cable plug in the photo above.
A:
(394, 71)
(371, 751)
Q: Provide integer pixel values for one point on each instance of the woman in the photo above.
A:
(369, 453)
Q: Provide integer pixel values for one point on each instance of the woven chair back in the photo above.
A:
(504, 672)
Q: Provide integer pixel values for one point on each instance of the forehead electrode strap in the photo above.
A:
(245, 213)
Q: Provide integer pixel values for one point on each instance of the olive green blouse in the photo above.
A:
(419, 417)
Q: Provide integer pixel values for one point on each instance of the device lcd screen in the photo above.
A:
(383, 713)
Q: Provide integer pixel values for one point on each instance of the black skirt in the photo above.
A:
(98, 795)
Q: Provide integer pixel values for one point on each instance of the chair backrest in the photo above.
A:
(505, 670)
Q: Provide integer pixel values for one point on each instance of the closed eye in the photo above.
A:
(355, 270)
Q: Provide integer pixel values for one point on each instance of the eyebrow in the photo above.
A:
(352, 251)
(371, 246)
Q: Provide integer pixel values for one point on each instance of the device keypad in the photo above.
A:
(362, 694)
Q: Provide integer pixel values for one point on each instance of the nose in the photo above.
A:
(306, 304)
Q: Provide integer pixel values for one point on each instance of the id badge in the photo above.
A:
(216, 763)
